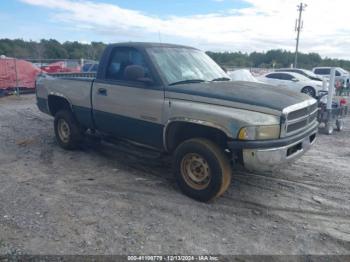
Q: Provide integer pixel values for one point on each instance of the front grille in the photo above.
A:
(298, 113)
(299, 117)
(296, 126)
(313, 107)
(313, 117)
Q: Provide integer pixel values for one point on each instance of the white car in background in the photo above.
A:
(293, 81)
(340, 74)
(326, 72)
(307, 73)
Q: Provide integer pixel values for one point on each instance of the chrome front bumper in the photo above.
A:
(268, 159)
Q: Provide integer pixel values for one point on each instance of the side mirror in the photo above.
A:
(136, 73)
(295, 80)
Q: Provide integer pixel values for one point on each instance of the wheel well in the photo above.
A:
(178, 132)
(57, 103)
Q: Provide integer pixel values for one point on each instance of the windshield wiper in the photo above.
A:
(189, 81)
(221, 79)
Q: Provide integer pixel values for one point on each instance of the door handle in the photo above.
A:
(102, 91)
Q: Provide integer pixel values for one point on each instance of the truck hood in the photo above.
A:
(255, 96)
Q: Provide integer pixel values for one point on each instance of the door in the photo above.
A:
(290, 81)
(129, 109)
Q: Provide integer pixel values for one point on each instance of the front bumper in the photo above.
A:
(264, 156)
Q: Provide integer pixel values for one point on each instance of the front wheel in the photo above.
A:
(309, 91)
(202, 170)
(67, 130)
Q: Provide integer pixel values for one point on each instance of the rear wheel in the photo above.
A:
(309, 91)
(67, 130)
(202, 170)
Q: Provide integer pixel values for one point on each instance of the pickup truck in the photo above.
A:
(177, 100)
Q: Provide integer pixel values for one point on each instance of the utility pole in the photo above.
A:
(298, 27)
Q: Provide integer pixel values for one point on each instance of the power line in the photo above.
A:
(298, 27)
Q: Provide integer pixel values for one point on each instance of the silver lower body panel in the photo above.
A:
(269, 159)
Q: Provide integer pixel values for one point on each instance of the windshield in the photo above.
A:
(185, 65)
(344, 72)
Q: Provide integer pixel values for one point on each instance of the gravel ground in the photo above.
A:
(118, 199)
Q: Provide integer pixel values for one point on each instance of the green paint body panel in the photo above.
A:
(144, 132)
(42, 105)
(83, 116)
(115, 125)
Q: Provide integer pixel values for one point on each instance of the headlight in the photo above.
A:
(259, 132)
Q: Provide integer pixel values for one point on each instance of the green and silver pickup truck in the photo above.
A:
(177, 100)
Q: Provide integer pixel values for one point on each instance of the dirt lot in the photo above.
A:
(115, 199)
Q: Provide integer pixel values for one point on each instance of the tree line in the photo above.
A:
(52, 49)
(275, 58)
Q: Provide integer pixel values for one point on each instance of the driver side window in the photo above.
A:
(273, 76)
(287, 77)
(278, 76)
(120, 59)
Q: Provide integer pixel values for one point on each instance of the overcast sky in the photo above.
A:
(218, 25)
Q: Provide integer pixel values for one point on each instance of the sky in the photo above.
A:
(216, 25)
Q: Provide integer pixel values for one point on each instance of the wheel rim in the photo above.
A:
(309, 92)
(195, 171)
(63, 130)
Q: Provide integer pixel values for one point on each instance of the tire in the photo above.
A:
(67, 130)
(202, 170)
(340, 124)
(309, 91)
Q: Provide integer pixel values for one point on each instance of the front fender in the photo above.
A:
(227, 119)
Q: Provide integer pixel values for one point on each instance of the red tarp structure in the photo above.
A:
(26, 73)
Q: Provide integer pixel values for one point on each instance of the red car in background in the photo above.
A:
(61, 67)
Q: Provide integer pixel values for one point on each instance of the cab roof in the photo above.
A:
(149, 45)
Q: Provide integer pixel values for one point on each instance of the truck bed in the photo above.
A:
(76, 90)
